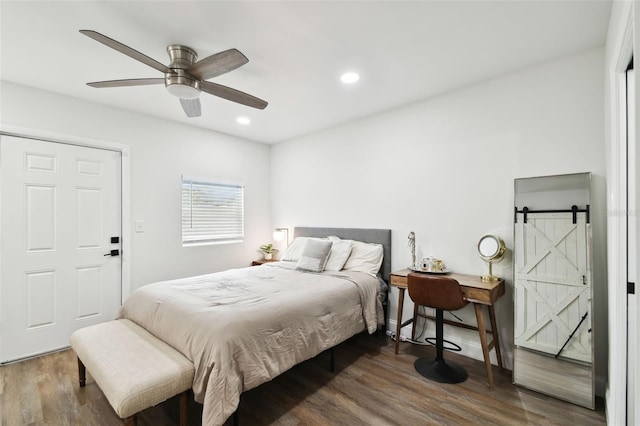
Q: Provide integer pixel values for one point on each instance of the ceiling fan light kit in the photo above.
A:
(180, 85)
(185, 77)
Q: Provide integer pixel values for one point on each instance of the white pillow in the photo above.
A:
(294, 251)
(340, 251)
(365, 257)
(315, 255)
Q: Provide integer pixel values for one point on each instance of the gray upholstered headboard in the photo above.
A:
(379, 236)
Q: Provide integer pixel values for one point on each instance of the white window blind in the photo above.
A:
(211, 212)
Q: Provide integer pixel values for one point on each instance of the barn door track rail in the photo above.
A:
(574, 210)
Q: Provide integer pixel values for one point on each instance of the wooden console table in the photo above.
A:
(479, 293)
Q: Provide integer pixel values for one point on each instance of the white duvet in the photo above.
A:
(243, 327)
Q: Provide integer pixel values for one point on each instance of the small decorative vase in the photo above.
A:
(268, 256)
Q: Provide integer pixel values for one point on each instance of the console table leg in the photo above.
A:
(482, 330)
(494, 331)
(414, 321)
(399, 323)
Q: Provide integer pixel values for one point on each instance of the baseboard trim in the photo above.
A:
(473, 349)
(470, 348)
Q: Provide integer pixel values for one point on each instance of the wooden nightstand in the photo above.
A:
(262, 261)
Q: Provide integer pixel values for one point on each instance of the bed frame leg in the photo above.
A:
(82, 373)
(131, 421)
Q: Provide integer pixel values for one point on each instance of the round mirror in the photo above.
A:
(491, 248)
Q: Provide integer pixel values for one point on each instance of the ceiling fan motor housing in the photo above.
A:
(181, 56)
(179, 83)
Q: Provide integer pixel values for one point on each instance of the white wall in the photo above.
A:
(444, 168)
(160, 152)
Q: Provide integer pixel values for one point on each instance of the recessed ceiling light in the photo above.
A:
(243, 120)
(349, 77)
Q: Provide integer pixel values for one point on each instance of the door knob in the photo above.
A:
(113, 253)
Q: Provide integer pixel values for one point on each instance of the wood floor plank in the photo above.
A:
(371, 386)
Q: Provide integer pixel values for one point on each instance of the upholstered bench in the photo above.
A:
(134, 369)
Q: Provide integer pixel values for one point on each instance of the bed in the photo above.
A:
(243, 327)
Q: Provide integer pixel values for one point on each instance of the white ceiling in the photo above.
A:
(404, 52)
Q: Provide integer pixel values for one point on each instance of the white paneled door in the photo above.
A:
(60, 208)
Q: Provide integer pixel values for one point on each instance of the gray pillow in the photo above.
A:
(314, 256)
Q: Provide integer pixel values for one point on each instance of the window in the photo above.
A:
(211, 212)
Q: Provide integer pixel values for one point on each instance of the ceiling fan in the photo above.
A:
(184, 78)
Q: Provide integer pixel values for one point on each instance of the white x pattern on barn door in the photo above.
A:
(553, 284)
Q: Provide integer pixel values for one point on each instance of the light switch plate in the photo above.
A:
(139, 225)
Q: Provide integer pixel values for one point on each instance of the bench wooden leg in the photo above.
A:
(184, 408)
(332, 360)
(82, 373)
(130, 421)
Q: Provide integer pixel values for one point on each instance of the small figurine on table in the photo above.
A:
(412, 246)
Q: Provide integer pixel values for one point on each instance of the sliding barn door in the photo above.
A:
(553, 285)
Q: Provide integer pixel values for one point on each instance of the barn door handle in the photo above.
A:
(113, 253)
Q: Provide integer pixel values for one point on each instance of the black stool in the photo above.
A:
(441, 293)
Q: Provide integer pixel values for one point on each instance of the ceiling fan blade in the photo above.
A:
(191, 107)
(132, 53)
(126, 83)
(218, 64)
(232, 95)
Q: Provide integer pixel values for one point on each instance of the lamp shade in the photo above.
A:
(280, 234)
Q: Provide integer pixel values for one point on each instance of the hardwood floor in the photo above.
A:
(371, 386)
